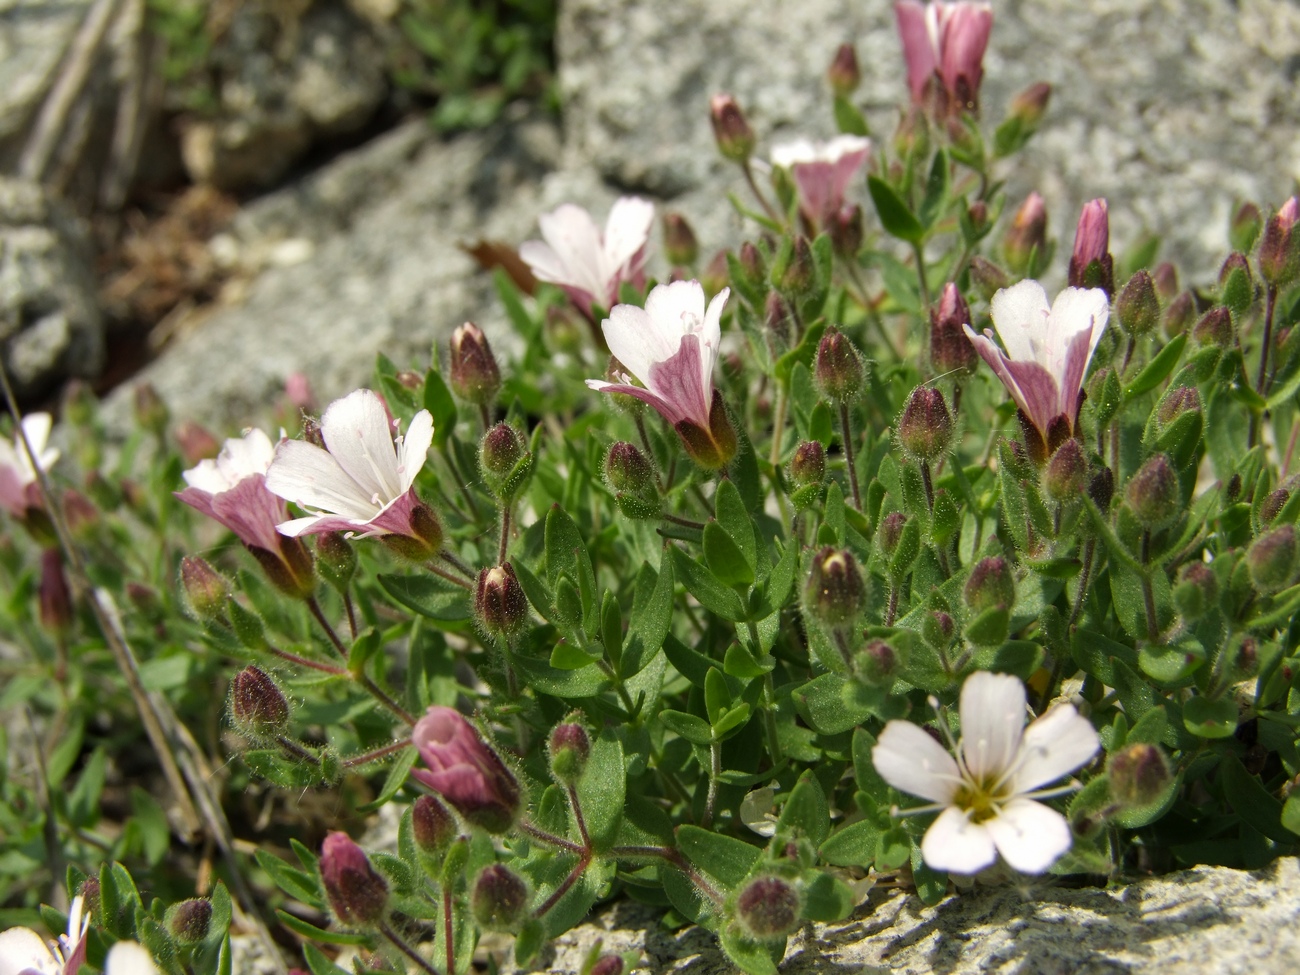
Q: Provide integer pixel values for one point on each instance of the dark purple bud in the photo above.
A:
(987, 277)
(432, 825)
(731, 129)
(877, 663)
(1153, 493)
(925, 427)
(1279, 251)
(1214, 327)
(838, 371)
(196, 442)
(474, 374)
(768, 908)
(1271, 559)
(1030, 105)
(937, 628)
(1137, 307)
(500, 606)
(834, 593)
(188, 921)
(846, 230)
(570, 747)
(505, 460)
(499, 901)
(752, 265)
(990, 585)
(950, 350)
(1066, 473)
(55, 598)
(409, 379)
(1178, 316)
(1176, 402)
(795, 272)
(844, 74)
(607, 965)
(891, 530)
(1165, 278)
(1236, 286)
(357, 893)
(257, 704)
(1272, 505)
(1139, 775)
(680, 245)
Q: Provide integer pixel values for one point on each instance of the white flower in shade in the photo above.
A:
(985, 795)
(822, 172)
(24, 952)
(588, 264)
(1048, 349)
(232, 490)
(671, 346)
(18, 490)
(362, 480)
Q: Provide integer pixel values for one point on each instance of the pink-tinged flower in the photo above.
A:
(18, 488)
(944, 41)
(464, 770)
(822, 173)
(986, 792)
(362, 480)
(1091, 265)
(24, 952)
(588, 264)
(1047, 354)
(357, 893)
(671, 346)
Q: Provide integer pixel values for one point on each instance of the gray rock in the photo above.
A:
(34, 34)
(50, 327)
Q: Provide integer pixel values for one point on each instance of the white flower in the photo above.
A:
(363, 480)
(17, 476)
(1047, 348)
(24, 952)
(587, 264)
(986, 795)
(232, 490)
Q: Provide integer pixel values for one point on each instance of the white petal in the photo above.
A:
(788, 154)
(1056, 744)
(627, 229)
(1076, 310)
(22, 949)
(206, 476)
(711, 337)
(358, 433)
(1030, 836)
(543, 261)
(675, 309)
(129, 958)
(634, 340)
(1020, 315)
(992, 712)
(955, 844)
(37, 428)
(414, 450)
(250, 454)
(575, 239)
(842, 145)
(913, 762)
(307, 475)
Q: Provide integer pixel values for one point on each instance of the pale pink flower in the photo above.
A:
(588, 264)
(671, 346)
(946, 40)
(24, 952)
(363, 479)
(823, 172)
(18, 487)
(986, 792)
(232, 490)
(1047, 349)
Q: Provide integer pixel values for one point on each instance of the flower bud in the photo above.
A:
(680, 245)
(990, 585)
(291, 569)
(1139, 775)
(768, 908)
(846, 229)
(311, 431)
(752, 266)
(336, 559)
(1030, 105)
(1236, 286)
(1066, 475)
(80, 513)
(257, 704)
(808, 465)
(925, 427)
(1272, 505)
(204, 589)
(632, 479)
(1213, 328)
(1179, 314)
(500, 606)
(891, 530)
(505, 460)
(834, 593)
(1176, 402)
(474, 375)
(1197, 590)
(357, 893)
(151, 412)
(877, 663)
(844, 74)
(1153, 494)
(987, 277)
(1026, 241)
(298, 391)
(1271, 559)
(711, 449)
(1244, 227)
(432, 825)
(195, 442)
(715, 275)
(1165, 279)
(409, 379)
(55, 599)
(950, 349)
(423, 537)
(188, 921)
(730, 128)
(607, 965)
(499, 901)
(570, 747)
(1279, 251)
(465, 770)
(911, 139)
(938, 628)
(838, 371)
(1137, 307)
(145, 600)
(1091, 265)
(794, 272)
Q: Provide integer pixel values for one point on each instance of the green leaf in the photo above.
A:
(806, 811)
(689, 726)
(848, 119)
(313, 933)
(714, 595)
(398, 773)
(651, 616)
(83, 802)
(155, 834)
(827, 898)
(936, 190)
(734, 518)
(827, 709)
(725, 558)
(296, 883)
(438, 401)
(1256, 806)
(318, 963)
(602, 790)
(727, 859)
(893, 848)
(428, 596)
(280, 771)
(1291, 813)
(931, 884)
(749, 956)
(529, 942)
(852, 846)
(1157, 369)
(1210, 719)
(895, 215)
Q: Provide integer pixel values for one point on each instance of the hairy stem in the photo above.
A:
(847, 433)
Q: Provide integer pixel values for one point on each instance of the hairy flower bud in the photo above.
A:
(834, 593)
(1271, 559)
(731, 129)
(680, 245)
(938, 628)
(950, 349)
(80, 513)
(499, 900)
(808, 465)
(569, 747)
(1137, 307)
(204, 589)
(1236, 286)
(1197, 590)
(1244, 227)
(846, 230)
(1214, 327)
(1176, 402)
(1030, 105)
(844, 74)
(838, 371)
(474, 374)
(432, 825)
(1273, 504)
(1139, 775)
(752, 266)
(1091, 265)
(987, 277)
(877, 663)
(500, 606)
(1279, 251)
(1026, 241)
(794, 272)
(1165, 279)
(290, 568)
(891, 530)
(1066, 473)
(925, 427)
(505, 460)
(990, 585)
(55, 598)
(465, 770)
(336, 559)
(607, 965)
(357, 893)
(188, 921)
(1153, 494)
(150, 410)
(768, 908)
(257, 704)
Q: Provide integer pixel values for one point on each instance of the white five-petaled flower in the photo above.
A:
(588, 264)
(232, 490)
(822, 172)
(17, 475)
(1047, 348)
(985, 794)
(363, 480)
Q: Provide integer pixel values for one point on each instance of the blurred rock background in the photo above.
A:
(212, 195)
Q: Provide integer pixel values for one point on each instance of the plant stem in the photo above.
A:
(296, 750)
(1148, 596)
(447, 929)
(1089, 550)
(398, 943)
(551, 839)
(891, 613)
(684, 522)
(352, 613)
(382, 697)
(774, 455)
(576, 806)
(316, 611)
(769, 719)
(450, 558)
(444, 574)
(920, 276)
(847, 433)
(301, 661)
(758, 194)
(579, 868)
(505, 534)
(715, 770)
(460, 481)
(929, 485)
(1264, 380)
(376, 754)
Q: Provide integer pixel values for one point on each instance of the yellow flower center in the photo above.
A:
(982, 798)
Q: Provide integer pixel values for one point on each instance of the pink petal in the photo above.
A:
(955, 844)
(965, 37)
(1001, 366)
(992, 712)
(1030, 836)
(575, 239)
(918, 49)
(251, 512)
(680, 382)
(911, 761)
(664, 408)
(1053, 746)
(1040, 397)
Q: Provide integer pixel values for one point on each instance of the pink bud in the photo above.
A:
(1090, 264)
(357, 894)
(464, 770)
(297, 389)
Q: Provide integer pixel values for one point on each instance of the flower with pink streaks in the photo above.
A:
(823, 172)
